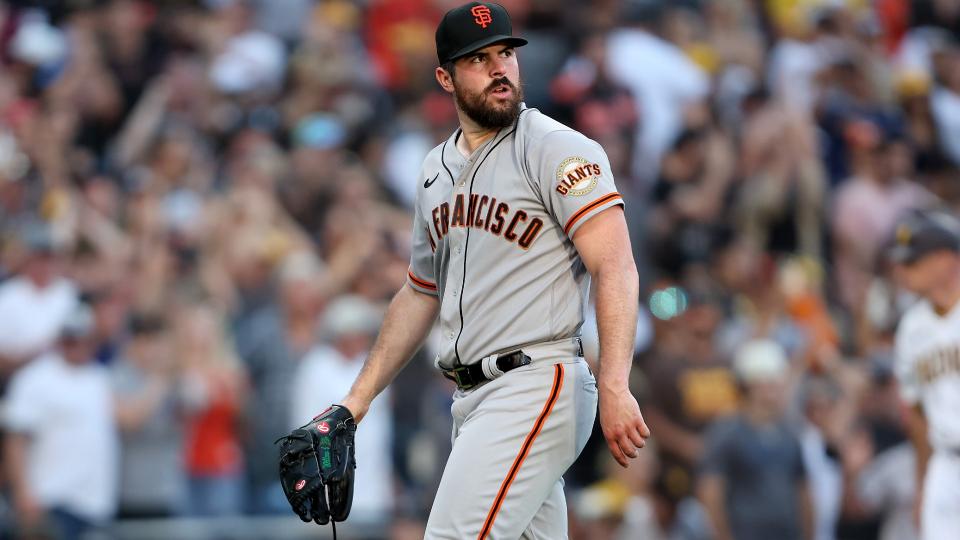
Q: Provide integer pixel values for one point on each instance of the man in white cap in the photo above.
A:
(61, 445)
(753, 481)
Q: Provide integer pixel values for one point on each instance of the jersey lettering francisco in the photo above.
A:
(492, 236)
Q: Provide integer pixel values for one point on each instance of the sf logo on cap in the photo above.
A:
(481, 15)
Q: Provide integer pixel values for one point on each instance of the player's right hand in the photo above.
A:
(622, 424)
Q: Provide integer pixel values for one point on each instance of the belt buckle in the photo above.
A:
(455, 375)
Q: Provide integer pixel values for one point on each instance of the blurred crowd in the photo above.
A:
(205, 206)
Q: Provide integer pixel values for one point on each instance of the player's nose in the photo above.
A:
(498, 68)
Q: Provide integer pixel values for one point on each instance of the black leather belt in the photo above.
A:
(469, 376)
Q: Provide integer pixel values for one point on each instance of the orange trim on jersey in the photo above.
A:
(524, 450)
(419, 282)
(587, 209)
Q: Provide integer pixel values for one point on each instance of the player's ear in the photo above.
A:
(445, 78)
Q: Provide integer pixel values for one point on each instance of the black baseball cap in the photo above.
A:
(921, 232)
(474, 26)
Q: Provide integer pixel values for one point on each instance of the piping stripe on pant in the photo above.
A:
(524, 450)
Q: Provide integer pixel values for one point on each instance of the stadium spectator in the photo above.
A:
(691, 385)
(667, 85)
(272, 342)
(110, 312)
(822, 418)
(61, 443)
(945, 105)
(629, 504)
(753, 482)
(781, 199)
(214, 388)
(149, 411)
(885, 484)
(867, 205)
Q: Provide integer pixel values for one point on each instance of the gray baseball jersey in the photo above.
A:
(493, 236)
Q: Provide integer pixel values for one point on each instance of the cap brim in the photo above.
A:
(513, 41)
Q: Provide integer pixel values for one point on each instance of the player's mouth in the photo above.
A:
(501, 90)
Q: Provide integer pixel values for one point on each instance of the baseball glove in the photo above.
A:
(317, 466)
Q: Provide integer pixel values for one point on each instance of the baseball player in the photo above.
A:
(515, 213)
(926, 250)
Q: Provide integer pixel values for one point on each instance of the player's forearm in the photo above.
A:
(408, 321)
(617, 290)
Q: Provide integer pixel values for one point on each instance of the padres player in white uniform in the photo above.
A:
(515, 212)
(927, 251)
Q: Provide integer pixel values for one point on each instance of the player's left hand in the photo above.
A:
(317, 466)
(622, 424)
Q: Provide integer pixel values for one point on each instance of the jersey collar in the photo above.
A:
(453, 154)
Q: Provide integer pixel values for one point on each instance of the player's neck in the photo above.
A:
(472, 136)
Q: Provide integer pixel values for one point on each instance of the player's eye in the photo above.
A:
(477, 59)
(507, 53)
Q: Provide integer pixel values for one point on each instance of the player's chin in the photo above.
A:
(500, 104)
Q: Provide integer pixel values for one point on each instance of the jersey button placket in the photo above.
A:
(457, 239)
(455, 281)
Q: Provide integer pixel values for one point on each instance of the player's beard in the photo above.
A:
(499, 115)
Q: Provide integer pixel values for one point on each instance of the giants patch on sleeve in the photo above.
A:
(577, 176)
